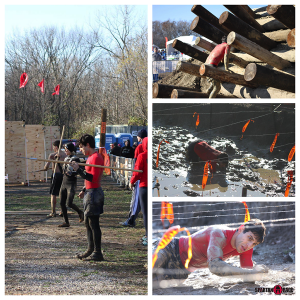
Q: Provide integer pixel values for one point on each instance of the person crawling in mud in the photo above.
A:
(210, 248)
(200, 151)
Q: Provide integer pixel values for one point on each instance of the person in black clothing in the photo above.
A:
(68, 187)
(116, 150)
(127, 151)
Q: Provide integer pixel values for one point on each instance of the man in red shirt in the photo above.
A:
(200, 151)
(210, 248)
(93, 197)
(219, 53)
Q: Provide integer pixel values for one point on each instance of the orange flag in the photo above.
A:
(205, 173)
(167, 212)
(291, 154)
(274, 142)
(157, 158)
(247, 215)
(106, 159)
(166, 239)
(198, 120)
(290, 180)
(245, 126)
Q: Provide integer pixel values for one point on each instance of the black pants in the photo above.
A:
(143, 197)
(67, 193)
(93, 233)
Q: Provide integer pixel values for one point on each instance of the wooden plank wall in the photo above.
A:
(15, 146)
(35, 148)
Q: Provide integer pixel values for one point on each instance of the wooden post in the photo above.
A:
(203, 13)
(177, 93)
(200, 42)
(210, 46)
(241, 13)
(291, 40)
(271, 24)
(255, 50)
(209, 31)
(103, 130)
(188, 68)
(164, 91)
(244, 192)
(250, 11)
(283, 13)
(242, 28)
(224, 76)
(278, 36)
(265, 76)
(189, 50)
(59, 148)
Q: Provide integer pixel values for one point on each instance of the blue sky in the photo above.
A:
(20, 17)
(183, 12)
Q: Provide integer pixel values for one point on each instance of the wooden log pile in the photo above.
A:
(257, 38)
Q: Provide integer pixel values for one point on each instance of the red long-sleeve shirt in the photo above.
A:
(94, 159)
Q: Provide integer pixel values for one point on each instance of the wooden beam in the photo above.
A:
(278, 36)
(177, 93)
(224, 76)
(250, 11)
(242, 28)
(241, 13)
(188, 68)
(291, 40)
(164, 90)
(209, 31)
(265, 76)
(271, 24)
(203, 13)
(284, 14)
(189, 50)
(210, 46)
(255, 50)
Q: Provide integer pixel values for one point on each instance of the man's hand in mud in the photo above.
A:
(261, 269)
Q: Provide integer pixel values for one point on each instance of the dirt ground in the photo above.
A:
(39, 256)
(277, 252)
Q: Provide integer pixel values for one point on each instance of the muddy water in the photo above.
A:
(175, 177)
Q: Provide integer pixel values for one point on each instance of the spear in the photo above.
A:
(80, 164)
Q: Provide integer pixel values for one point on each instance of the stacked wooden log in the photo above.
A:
(260, 63)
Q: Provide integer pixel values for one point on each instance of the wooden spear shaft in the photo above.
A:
(61, 137)
(80, 164)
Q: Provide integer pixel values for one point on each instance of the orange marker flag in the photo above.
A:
(291, 154)
(247, 215)
(205, 173)
(167, 212)
(245, 126)
(274, 142)
(166, 239)
(157, 158)
(290, 180)
(198, 120)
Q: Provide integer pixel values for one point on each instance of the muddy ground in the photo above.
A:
(277, 251)
(39, 256)
(251, 164)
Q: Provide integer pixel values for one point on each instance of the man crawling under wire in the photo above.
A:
(211, 247)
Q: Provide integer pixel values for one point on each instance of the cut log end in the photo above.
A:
(250, 71)
(272, 9)
(193, 8)
(231, 37)
(194, 23)
(291, 38)
(223, 17)
(202, 70)
(174, 94)
(197, 41)
(174, 43)
(155, 90)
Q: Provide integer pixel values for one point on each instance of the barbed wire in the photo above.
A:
(223, 210)
(234, 224)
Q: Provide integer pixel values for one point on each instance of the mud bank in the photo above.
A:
(251, 164)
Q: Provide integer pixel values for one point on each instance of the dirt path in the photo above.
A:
(39, 256)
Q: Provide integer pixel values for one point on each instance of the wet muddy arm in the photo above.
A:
(221, 268)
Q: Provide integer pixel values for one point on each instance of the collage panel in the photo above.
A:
(223, 248)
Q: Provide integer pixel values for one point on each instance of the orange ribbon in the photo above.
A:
(290, 180)
(198, 120)
(205, 173)
(157, 158)
(245, 126)
(106, 159)
(274, 142)
(167, 238)
(247, 215)
(291, 154)
(167, 212)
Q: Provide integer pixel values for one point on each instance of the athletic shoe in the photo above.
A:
(64, 225)
(95, 257)
(51, 215)
(127, 224)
